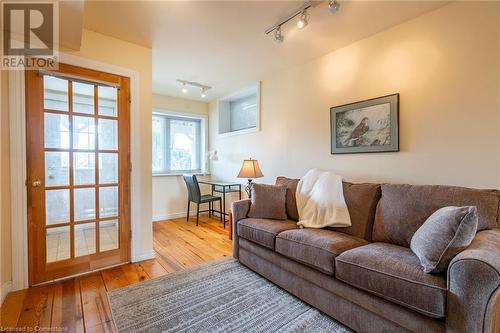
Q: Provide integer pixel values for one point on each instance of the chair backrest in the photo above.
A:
(193, 187)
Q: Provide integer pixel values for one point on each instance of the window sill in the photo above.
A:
(179, 174)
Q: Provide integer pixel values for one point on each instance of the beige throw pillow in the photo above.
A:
(268, 202)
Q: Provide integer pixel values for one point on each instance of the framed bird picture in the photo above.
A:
(370, 126)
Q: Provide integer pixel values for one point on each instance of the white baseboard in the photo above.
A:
(171, 216)
(5, 289)
(144, 256)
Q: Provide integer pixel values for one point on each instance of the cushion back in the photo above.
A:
(402, 209)
(361, 200)
(291, 201)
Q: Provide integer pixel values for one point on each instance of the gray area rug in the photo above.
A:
(221, 296)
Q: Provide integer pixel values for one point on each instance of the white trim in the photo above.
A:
(19, 201)
(145, 256)
(4, 290)
(18, 164)
(170, 216)
(179, 174)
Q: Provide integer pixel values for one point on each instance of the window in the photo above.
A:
(243, 113)
(177, 144)
(239, 113)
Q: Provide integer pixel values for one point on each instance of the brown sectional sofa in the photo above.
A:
(365, 276)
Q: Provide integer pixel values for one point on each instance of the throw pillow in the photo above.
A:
(291, 201)
(443, 235)
(268, 202)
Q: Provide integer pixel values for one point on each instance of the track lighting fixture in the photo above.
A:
(278, 37)
(333, 6)
(185, 84)
(302, 22)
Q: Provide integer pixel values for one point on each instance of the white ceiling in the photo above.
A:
(222, 43)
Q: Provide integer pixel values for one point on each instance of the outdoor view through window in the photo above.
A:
(176, 144)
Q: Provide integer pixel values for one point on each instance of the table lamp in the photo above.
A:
(250, 170)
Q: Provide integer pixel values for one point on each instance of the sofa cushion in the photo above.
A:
(447, 232)
(316, 248)
(402, 209)
(268, 202)
(394, 273)
(263, 231)
(291, 201)
(361, 200)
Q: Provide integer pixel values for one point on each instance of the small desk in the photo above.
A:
(223, 187)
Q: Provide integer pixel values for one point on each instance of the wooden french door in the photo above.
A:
(78, 159)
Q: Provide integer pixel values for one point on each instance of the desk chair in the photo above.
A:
(194, 195)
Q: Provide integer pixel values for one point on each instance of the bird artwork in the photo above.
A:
(357, 133)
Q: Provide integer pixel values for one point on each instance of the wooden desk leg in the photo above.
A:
(230, 220)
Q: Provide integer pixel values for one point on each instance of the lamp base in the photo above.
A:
(248, 188)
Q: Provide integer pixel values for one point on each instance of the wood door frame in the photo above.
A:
(19, 203)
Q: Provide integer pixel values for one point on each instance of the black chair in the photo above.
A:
(194, 195)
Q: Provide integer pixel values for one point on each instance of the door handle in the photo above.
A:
(37, 183)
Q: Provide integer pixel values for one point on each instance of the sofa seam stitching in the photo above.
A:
(392, 275)
(391, 298)
(319, 248)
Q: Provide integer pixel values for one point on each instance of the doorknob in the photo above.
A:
(37, 183)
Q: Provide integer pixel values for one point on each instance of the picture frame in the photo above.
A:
(369, 126)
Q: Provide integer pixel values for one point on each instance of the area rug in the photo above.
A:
(221, 296)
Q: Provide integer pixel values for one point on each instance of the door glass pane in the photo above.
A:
(56, 206)
(108, 168)
(83, 133)
(83, 98)
(108, 201)
(108, 235)
(84, 168)
(56, 131)
(56, 168)
(55, 93)
(107, 101)
(58, 244)
(84, 204)
(85, 239)
(108, 134)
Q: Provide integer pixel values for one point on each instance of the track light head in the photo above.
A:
(184, 89)
(302, 22)
(278, 37)
(203, 93)
(333, 6)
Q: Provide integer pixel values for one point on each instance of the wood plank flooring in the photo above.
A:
(81, 304)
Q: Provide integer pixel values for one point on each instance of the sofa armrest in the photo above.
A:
(240, 210)
(473, 283)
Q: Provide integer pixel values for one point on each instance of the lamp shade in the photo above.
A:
(250, 169)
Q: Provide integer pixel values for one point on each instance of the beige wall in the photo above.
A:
(169, 192)
(444, 64)
(5, 234)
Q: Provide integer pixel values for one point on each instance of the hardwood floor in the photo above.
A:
(81, 305)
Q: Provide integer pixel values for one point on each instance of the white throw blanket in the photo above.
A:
(320, 200)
